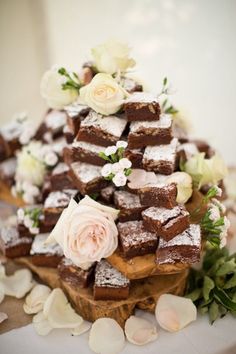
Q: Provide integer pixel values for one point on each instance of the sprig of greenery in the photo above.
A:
(212, 193)
(34, 214)
(113, 157)
(213, 288)
(168, 108)
(72, 81)
(212, 229)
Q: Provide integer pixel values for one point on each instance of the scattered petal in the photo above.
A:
(174, 312)
(18, 284)
(106, 336)
(140, 331)
(84, 327)
(41, 324)
(59, 312)
(35, 300)
(3, 317)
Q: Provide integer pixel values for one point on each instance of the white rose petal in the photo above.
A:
(3, 317)
(119, 179)
(35, 300)
(116, 167)
(59, 312)
(125, 163)
(106, 170)
(51, 158)
(41, 324)
(18, 284)
(51, 90)
(104, 95)
(121, 144)
(140, 331)
(184, 186)
(106, 337)
(174, 312)
(110, 150)
(84, 327)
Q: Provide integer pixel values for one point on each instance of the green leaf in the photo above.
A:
(128, 171)
(213, 312)
(104, 157)
(231, 283)
(221, 296)
(226, 268)
(165, 81)
(194, 295)
(203, 310)
(208, 285)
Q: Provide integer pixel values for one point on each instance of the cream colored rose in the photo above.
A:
(206, 171)
(51, 90)
(86, 232)
(112, 56)
(103, 94)
(30, 166)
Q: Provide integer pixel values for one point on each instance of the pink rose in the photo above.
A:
(86, 232)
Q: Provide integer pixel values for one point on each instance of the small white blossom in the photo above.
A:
(125, 163)
(121, 144)
(51, 159)
(28, 198)
(34, 230)
(27, 134)
(219, 205)
(218, 191)
(224, 232)
(20, 214)
(214, 212)
(110, 150)
(223, 241)
(48, 137)
(119, 179)
(116, 167)
(28, 222)
(106, 170)
(33, 190)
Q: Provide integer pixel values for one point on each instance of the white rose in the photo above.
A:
(29, 167)
(51, 90)
(103, 94)
(184, 186)
(86, 232)
(112, 56)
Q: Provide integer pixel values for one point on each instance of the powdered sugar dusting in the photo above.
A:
(165, 121)
(108, 276)
(127, 200)
(162, 152)
(55, 119)
(8, 167)
(163, 214)
(60, 168)
(59, 199)
(86, 172)
(190, 237)
(88, 147)
(142, 97)
(39, 246)
(133, 233)
(10, 237)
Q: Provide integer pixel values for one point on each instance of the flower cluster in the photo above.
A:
(33, 161)
(30, 218)
(119, 167)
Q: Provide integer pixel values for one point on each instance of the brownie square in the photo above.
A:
(167, 223)
(129, 205)
(135, 156)
(135, 240)
(186, 151)
(4, 149)
(142, 106)
(183, 248)
(58, 145)
(52, 125)
(12, 245)
(87, 152)
(60, 179)
(75, 114)
(130, 85)
(107, 194)
(55, 203)
(7, 171)
(109, 283)
(161, 159)
(74, 275)
(101, 130)
(160, 195)
(87, 178)
(45, 255)
(144, 133)
(11, 134)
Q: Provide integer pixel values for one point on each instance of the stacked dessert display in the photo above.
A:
(109, 214)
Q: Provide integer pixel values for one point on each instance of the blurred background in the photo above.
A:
(192, 42)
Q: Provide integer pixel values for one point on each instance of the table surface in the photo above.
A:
(198, 338)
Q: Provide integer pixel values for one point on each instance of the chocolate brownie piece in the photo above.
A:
(130, 85)
(101, 130)
(107, 194)
(167, 223)
(4, 149)
(135, 240)
(129, 205)
(186, 151)
(74, 275)
(183, 248)
(60, 179)
(58, 145)
(161, 158)
(144, 133)
(87, 152)
(142, 106)
(109, 283)
(160, 195)
(7, 171)
(135, 156)
(11, 133)
(12, 245)
(45, 255)
(203, 146)
(52, 125)
(68, 134)
(55, 203)
(75, 114)
(87, 178)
